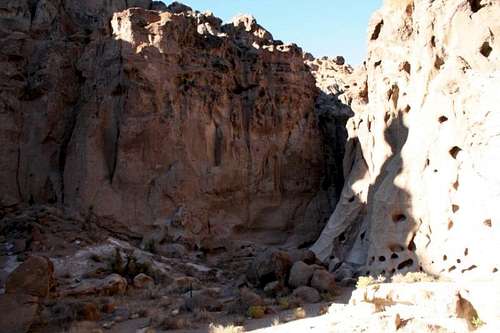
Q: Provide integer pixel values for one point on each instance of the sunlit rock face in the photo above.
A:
(422, 182)
(143, 118)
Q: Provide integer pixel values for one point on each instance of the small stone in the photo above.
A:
(90, 312)
(142, 281)
(108, 325)
(109, 308)
(273, 289)
(249, 298)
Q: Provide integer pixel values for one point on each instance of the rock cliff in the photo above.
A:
(150, 117)
(421, 162)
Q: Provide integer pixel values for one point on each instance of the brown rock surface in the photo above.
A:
(33, 277)
(18, 312)
(141, 118)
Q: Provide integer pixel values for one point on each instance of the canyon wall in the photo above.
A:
(422, 181)
(152, 117)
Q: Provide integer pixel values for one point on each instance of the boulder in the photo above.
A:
(18, 312)
(300, 274)
(34, 277)
(250, 298)
(307, 294)
(268, 266)
(323, 281)
(143, 281)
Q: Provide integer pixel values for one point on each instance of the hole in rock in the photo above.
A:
(351, 199)
(363, 235)
(383, 272)
(433, 41)
(376, 32)
(450, 224)
(411, 246)
(456, 184)
(438, 62)
(487, 223)
(455, 208)
(475, 5)
(443, 119)
(409, 9)
(394, 256)
(420, 268)
(469, 268)
(393, 271)
(485, 49)
(445, 257)
(396, 248)
(495, 270)
(342, 237)
(377, 63)
(427, 162)
(398, 218)
(454, 151)
(407, 109)
(406, 67)
(381, 258)
(466, 251)
(435, 170)
(452, 268)
(459, 261)
(404, 264)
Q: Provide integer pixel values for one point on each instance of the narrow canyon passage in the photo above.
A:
(163, 170)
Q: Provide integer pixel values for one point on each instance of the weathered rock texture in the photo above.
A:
(422, 185)
(141, 118)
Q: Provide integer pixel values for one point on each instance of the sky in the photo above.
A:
(321, 27)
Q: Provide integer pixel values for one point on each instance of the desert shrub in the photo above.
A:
(477, 322)
(413, 277)
(284, 303)
(256, 311)
(224, 329)
(365, 281)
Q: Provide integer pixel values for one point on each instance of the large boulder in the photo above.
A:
(34, 277)
(300, 274)
(323, 281)
(307, 294)
(268, 266)
(18, 312)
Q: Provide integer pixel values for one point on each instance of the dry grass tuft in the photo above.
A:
(225, 329)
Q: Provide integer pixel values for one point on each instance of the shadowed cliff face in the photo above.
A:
(150, 119)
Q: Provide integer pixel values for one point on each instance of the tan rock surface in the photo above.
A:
(422, 185)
